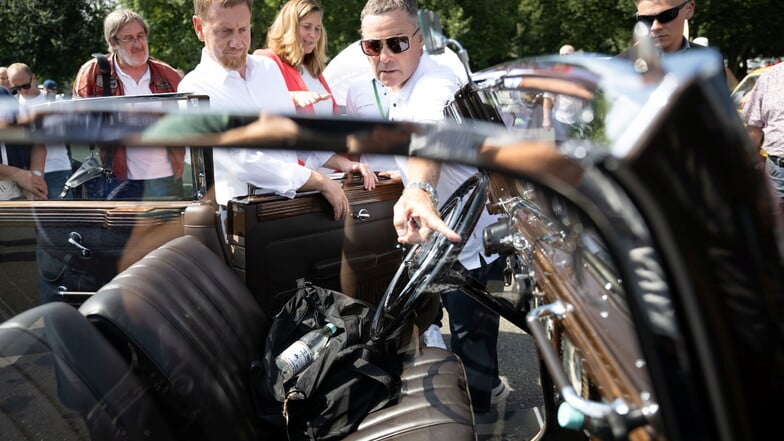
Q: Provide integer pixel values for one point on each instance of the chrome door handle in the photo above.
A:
(361, 215)
(75, 239)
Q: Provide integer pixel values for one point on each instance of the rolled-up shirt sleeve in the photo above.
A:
(277, 171)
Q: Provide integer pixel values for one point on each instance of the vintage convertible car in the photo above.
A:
(643, 256)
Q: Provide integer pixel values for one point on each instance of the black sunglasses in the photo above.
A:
(15, 89)
(372, 48)
(664, 16)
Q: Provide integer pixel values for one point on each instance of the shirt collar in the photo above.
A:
(685, 45)
(405, 92)
(121, 73)
(215, 70)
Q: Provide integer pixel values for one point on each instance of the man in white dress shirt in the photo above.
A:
(235, 80)
(407, 85)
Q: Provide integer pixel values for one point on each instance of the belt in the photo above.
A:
(778, 160)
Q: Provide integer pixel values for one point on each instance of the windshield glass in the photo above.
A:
(553, 252)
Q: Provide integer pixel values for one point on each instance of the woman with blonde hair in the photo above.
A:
(297, 42)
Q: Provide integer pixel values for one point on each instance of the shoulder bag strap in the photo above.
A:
(106, 73)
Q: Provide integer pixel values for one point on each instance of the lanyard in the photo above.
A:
(385, 114)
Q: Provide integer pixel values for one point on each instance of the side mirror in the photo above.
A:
(432, 33)
(435, 41)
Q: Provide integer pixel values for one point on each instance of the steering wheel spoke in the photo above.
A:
(427, 268)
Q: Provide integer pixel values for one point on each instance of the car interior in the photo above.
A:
(640, 292)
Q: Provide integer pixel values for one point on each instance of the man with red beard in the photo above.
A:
(237, 81)
(150, 172)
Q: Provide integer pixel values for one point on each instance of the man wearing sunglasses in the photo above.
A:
(666, 20)
(407, 85)
(57, 167)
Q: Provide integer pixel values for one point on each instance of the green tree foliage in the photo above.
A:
(53, 37)
(341, 21)
(172, 38)
(56, 36)
(740, 29)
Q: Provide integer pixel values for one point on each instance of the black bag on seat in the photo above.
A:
(329, 398)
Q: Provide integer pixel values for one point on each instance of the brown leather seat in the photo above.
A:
(433, 403)
(62, 380)
(203, 221)
(196, 329)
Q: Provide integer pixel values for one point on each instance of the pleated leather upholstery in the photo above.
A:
(433, 404)
(194, 328)
(54, 365)
(192, 322)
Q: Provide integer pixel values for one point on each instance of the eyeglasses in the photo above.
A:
(372, 48)
(15, 89)
(129, 40)
(664, 16)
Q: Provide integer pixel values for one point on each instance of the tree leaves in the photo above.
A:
(55, 37)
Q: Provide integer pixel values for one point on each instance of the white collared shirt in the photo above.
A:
(262, 90)
(314, 85)
(148, 162)
(423, 98)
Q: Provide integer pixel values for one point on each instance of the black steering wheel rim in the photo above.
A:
(425, 263)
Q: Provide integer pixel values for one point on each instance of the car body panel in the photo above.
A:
(644, 248)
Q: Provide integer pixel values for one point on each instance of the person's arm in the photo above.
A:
(331, 190)
(306, 98)
(38, 157)
(30, 183)
(756, 135)
(547, 109)
(416, 214)
(339, 162)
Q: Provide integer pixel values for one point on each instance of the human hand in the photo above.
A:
(307, 98)
(333, 192)
(393, 175)
(416, 218)
(32, 184)
(369, 178)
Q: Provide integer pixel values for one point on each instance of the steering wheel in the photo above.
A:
(423, 269)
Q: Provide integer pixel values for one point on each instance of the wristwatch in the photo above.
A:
(429, 189)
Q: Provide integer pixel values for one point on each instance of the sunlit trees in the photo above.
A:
(53, 37)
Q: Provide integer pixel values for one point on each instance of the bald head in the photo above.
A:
(566, 49)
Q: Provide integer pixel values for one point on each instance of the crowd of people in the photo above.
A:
(400, 82)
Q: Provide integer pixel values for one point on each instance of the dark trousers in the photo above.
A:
(474, 330)
(151, 189)
(55, 181)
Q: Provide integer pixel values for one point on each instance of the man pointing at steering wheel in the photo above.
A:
(407, 85)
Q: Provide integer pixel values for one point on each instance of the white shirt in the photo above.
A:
(314, 85)
(148, 162)
(262, 89)
(422, 99)
(56, 155)
(351, 64)
(317, 159)
(566, 109)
